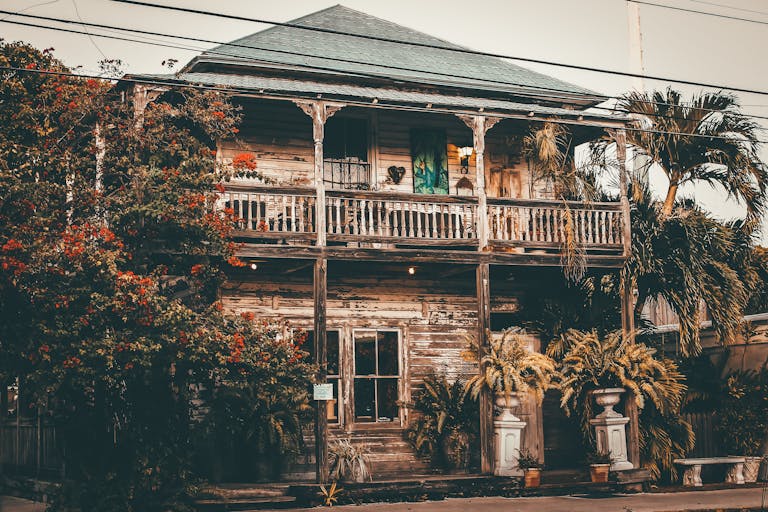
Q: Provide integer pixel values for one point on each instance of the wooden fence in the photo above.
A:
(29, 447)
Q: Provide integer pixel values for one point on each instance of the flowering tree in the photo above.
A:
(111, 254)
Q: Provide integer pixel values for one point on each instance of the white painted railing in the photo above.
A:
(401, 216)
(271, 209)
(549, 222)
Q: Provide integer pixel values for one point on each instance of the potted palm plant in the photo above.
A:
(531, 468)
(600, 368)
(510, 368)
(599, 465)
(507, 370)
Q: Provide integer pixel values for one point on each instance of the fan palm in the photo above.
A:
(707, 139)
(690, 259)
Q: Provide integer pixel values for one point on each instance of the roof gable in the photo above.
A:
(323, 52)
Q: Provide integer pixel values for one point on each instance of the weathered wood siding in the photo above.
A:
(279, 135)
(435, 316)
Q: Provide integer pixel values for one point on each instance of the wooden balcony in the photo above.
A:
(441, 225)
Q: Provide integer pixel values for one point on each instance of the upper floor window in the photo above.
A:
(345, 154)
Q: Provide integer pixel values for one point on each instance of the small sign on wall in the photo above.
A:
(323, 392)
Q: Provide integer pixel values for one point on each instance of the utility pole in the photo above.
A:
(635, 45)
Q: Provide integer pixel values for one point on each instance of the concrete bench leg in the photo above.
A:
(692, 476)
(735, 474)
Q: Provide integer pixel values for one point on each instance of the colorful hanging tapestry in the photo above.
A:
(430, 161)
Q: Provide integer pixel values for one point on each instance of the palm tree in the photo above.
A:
(707, 139)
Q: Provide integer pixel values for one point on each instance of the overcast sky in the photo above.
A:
(593, 33)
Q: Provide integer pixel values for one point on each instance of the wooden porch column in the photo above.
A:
(319, 111)
(320, 287)
(480, 126)
(627, 298)
(486, 400)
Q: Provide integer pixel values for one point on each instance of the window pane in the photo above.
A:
(332, 348)
(388, 410)
(333, 353)
(365, 404)
(365, 353)
(357, 139)
(333, 405)
(333, 141)
(388, 360)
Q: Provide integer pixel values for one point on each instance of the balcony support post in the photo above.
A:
(320, 111)
(480, 126)
(627, 294)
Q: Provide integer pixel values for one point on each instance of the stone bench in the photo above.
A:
(692, 476)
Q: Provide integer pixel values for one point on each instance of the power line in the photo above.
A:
(446, 48)
(77, 11)
(300, 54)
(694, 11)
(189, 48)
(380, 104)
(730, 7)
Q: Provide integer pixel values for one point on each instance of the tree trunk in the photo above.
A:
(669, 202)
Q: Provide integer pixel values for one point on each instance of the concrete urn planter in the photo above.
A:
(611, 428)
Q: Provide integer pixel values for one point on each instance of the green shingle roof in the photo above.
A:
(348, 55)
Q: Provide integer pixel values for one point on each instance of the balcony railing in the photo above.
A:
(270, 212)
(550, 223)
(401, 217)
(289, 213)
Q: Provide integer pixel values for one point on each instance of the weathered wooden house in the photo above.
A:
(392, 211)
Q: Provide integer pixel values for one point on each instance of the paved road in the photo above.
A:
(655, 502)
(10, 504)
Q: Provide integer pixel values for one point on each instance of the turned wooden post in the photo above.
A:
(319, 111)
(480, 126)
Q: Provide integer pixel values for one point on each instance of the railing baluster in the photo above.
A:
(371, 225)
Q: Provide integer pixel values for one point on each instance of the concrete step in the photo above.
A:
(245, 504)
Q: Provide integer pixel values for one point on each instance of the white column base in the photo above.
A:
(611, 436)
(508, 430)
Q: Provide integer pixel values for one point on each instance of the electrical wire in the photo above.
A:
(380, 104)
(90, 37)
(441, 47)
(693, 11)
(213, 51)
(730, 7)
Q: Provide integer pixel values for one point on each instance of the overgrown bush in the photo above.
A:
(743, 412)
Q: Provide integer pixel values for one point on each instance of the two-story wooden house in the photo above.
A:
(392, 212)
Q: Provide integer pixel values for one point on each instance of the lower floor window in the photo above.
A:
(372, 375)
(376, 375)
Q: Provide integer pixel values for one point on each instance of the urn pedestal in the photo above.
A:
(611, 428)
(507, 433)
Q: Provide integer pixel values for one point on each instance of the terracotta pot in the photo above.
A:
(532, 477)
(599, 472)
